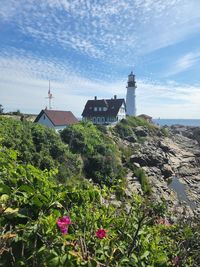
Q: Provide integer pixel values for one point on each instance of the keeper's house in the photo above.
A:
(56, 119)
(105, 111)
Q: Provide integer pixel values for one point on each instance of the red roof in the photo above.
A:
(58, 117)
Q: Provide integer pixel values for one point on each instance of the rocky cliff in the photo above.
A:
(171, 162)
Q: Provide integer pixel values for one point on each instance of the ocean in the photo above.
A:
(185, 122)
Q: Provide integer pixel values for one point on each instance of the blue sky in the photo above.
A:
(88, 48)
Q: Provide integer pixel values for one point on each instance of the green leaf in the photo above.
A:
(145, 255)
(27, 189)
(4, 189)
(55, 261)
(37, 202)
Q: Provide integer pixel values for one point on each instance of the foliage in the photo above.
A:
(1, 109)
(34, 203)
(141, 175)
(165, 131)
(101, 158)
(16, 113)
(39, 146)
(127, 126)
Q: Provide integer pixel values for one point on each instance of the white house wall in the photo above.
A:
(44, 120)
(122, 113)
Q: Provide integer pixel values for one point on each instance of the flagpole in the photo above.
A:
(49, 96)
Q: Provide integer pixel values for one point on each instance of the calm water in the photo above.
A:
(169, 122)
(179, 188)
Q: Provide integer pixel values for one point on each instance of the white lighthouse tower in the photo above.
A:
(130, 95)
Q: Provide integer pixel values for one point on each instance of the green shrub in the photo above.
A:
(141, 175)
(39, 146)
(165, 131)
(101, 158)
(32, 201)
(127, 126)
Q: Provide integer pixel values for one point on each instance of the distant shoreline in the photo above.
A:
(184, 122)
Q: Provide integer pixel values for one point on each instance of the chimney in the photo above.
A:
(95, 98)
(115, 96)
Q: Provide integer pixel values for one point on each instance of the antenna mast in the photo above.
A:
(50, 96)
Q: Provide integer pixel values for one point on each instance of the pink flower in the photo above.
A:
(63, 223)
(101, 233)
(64, 230)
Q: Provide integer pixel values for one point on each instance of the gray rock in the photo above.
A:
(141, 131)
(167, 171)
(131, 138)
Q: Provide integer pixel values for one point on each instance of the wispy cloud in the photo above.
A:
(24, 84)
(71, 38)
(184, 63)
(23, 87)
(168, 100)
(104, 29)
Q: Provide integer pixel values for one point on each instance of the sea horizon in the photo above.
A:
(184, 122)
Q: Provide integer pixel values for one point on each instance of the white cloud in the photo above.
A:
(184, 63)
(24, 87)
(106, 29)
(117, 32)
(170, 100)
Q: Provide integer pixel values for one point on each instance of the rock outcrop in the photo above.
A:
(164, 157)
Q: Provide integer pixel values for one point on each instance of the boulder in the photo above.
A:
(138, 159)
(141, 131)
(131, 138)
(167, 171)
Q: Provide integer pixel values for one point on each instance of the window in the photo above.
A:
(44, 117)
(104, 108)
(95, 108)
(100, 108)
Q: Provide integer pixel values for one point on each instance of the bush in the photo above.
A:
(101, 158)
(39, 146)
(140, 174)
(98, 232)
(126, 127)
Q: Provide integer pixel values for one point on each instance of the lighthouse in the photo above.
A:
(130, 95)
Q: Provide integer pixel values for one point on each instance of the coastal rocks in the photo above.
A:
(187, 131)
(141, 131)
(167, 171)
(149, 155)
(131, 138)
(163, 158)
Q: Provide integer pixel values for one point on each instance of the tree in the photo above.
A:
(1, 109)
